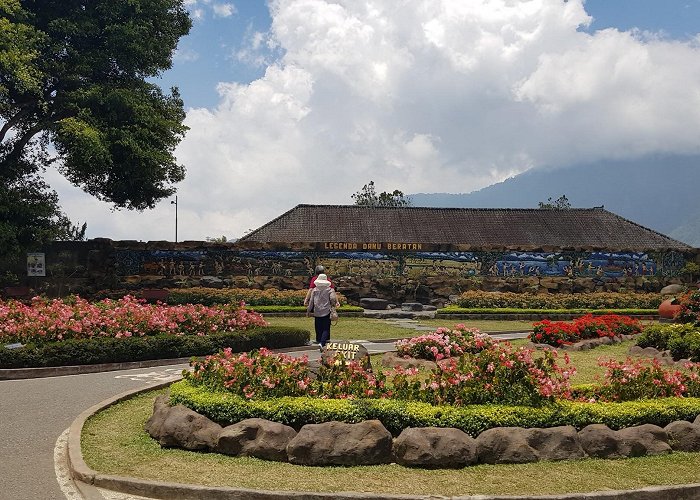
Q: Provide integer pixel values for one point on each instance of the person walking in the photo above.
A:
(322, 299)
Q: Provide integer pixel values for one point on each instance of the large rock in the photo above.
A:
(555, 443)
(338, 443)
(433, 447)
(674, 289)
(180, 427)
(256, 437)
(647, 439)
(599, 441)
(683, 436)
(505, 445)
(411, 306)
(373, 303)
(211, 282)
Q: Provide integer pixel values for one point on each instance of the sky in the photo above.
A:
(305, 101)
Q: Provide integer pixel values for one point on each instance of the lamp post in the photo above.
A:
(175, 203)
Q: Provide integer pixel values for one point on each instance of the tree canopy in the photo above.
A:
(74, 94)
(367, 196)
(561, 203)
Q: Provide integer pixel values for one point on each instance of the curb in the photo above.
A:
(161, 489)
(59, 371)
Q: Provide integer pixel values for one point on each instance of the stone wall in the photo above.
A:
(102, 267)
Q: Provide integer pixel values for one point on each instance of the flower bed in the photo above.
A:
(444, 343)
(75, 318)
(597, 300)
(558, 333)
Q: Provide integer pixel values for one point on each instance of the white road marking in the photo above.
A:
(154, 377)
(60, 463)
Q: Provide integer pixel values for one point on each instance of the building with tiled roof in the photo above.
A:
(389, 229)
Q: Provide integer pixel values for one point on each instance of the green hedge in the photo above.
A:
(227, 408)
(113, 350)
(593, 300)
(510, 310)
(298, 309)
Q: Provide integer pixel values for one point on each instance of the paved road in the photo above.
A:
(35, 412)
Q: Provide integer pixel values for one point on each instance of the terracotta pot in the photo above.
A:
(668, 310)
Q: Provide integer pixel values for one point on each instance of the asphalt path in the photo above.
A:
(35, 412)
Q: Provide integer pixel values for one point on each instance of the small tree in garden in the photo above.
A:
(368, 197)
(561, 203)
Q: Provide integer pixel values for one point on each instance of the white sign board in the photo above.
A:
(36, 264)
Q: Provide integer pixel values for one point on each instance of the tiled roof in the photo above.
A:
(477, 228)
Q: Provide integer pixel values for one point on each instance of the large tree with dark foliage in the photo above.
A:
(75, 95)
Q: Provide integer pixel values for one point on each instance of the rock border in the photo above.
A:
(161, 489)
(664, 357)
(369, 442)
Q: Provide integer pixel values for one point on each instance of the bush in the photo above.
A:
(690, 308)
(545, 312)
(497, 373)
(252, 297)
(298, 309)
(117, 350)
(597, 300)
(444, 343)
(227, 408)
(683, 340)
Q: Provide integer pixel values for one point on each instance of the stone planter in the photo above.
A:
(669, 310)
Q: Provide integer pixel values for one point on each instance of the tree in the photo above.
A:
(217, 239)
(561, 203)
(367, 196)
(73, 75)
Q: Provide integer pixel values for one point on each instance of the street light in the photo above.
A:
(175, 203)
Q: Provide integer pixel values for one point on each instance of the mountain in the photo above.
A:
(661, 192)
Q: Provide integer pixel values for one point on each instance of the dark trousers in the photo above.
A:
(323, 329)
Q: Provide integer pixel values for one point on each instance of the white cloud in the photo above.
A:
(223, 9)
(428, 96)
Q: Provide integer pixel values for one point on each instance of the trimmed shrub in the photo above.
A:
(683, 340)
(597, 300)
(545, 312)
(251, 297)
(117, 350)
(226, 408)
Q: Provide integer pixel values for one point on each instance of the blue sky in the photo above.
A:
(207, 54)
(305, 101)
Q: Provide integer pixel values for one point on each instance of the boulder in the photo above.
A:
(599, 441)
(683, 436)
(351, 351)
(697, 420)
(256, 437)
(555, 443)
(674, 289)
(154, 424)
(180, 427)
(433, 447)
(635, 350)
(642, 440)
(338, 443)
(373, 303)
(505, 445)
(411, 306)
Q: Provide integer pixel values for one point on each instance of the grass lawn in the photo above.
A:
(377, 329)
(114, 442)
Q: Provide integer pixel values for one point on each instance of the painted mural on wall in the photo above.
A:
(215, 262)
